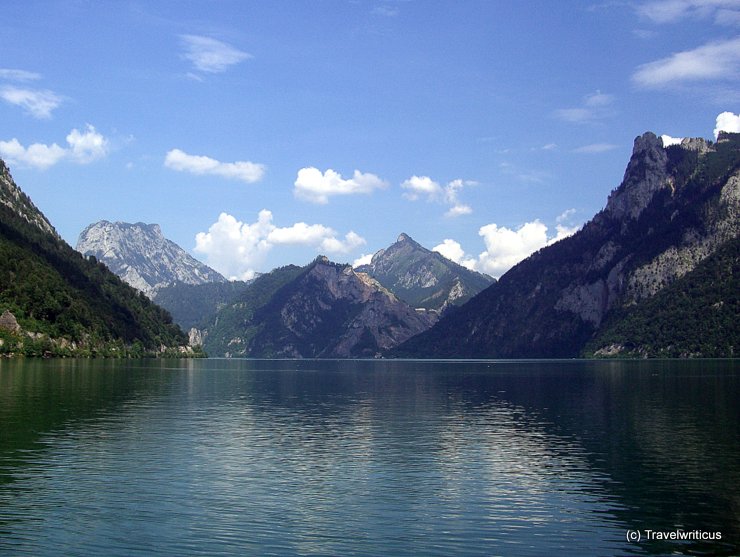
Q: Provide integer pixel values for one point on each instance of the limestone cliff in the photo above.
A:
(141, 255)
(675, 207)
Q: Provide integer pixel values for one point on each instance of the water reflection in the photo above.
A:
(341, 457)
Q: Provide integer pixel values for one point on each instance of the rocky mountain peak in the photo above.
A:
(12, 197)
(141, 255)
(421, 277)
(646, 174)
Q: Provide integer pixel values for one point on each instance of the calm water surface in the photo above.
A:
(227, 457)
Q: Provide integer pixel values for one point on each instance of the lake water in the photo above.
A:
(391, 458)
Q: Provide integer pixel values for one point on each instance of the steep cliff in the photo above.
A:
(675, 207)
(141, 255)
(64, 304)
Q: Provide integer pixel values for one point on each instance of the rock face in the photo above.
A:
(12, 197)
(60, 303)
(324, 310)
(424, 278)
(675, 208)
(142, 256)
(9, 322)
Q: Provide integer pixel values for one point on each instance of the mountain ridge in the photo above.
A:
(423, 278)
(55, 302)
(142, 256)
(675, 206)
(324, 309)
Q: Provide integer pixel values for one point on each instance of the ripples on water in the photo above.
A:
(367, 458)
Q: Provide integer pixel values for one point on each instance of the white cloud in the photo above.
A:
(364, 259)
(595, 106)
(458, 211)
(718, 60)
(83, 148)
(671, 11)
(505, 247)
(595, 148)
(668, 140)
(209, 55)
(18, 75)
(453, 251)
(236, 249)
(727, 122)
(197, 164)
(36, 155)
(88, 146)
(313, 186)
(37, 103)
(417, 187)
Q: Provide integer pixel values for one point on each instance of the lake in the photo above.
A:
(391, 458)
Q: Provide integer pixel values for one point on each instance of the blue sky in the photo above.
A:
(264, 133)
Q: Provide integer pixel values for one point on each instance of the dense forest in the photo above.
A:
(68, 305)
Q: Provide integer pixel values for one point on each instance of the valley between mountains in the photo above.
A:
(654, 274)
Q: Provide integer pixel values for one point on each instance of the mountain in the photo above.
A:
(54, 301)
(697, 315)
(423, 278)
(142, 256)
(675, 209)
(323, 310)
(194, 305)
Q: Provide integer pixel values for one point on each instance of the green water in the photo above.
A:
(239, 457)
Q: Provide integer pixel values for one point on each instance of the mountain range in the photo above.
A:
(614, 287)
(54, 301)
(654, 274)
(402, 292)
(323, 310)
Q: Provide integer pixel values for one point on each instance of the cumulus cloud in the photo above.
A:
(719, 60)
(727, 122)
(314, 186)
(453, 251)
(672, 11)
(209, 55)
(505, 247)
(593, 107)
(83, 148)
(423, 187)
(197, 164)
(364, 259)
(237, 249)
(37, 155)
(38, 103)
(86, 147)
(668, 140)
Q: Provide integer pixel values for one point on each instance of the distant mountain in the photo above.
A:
(424, 278)
(142, 256)
(608, 289)
(194, 305)
(54, 301)
(324, 310)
